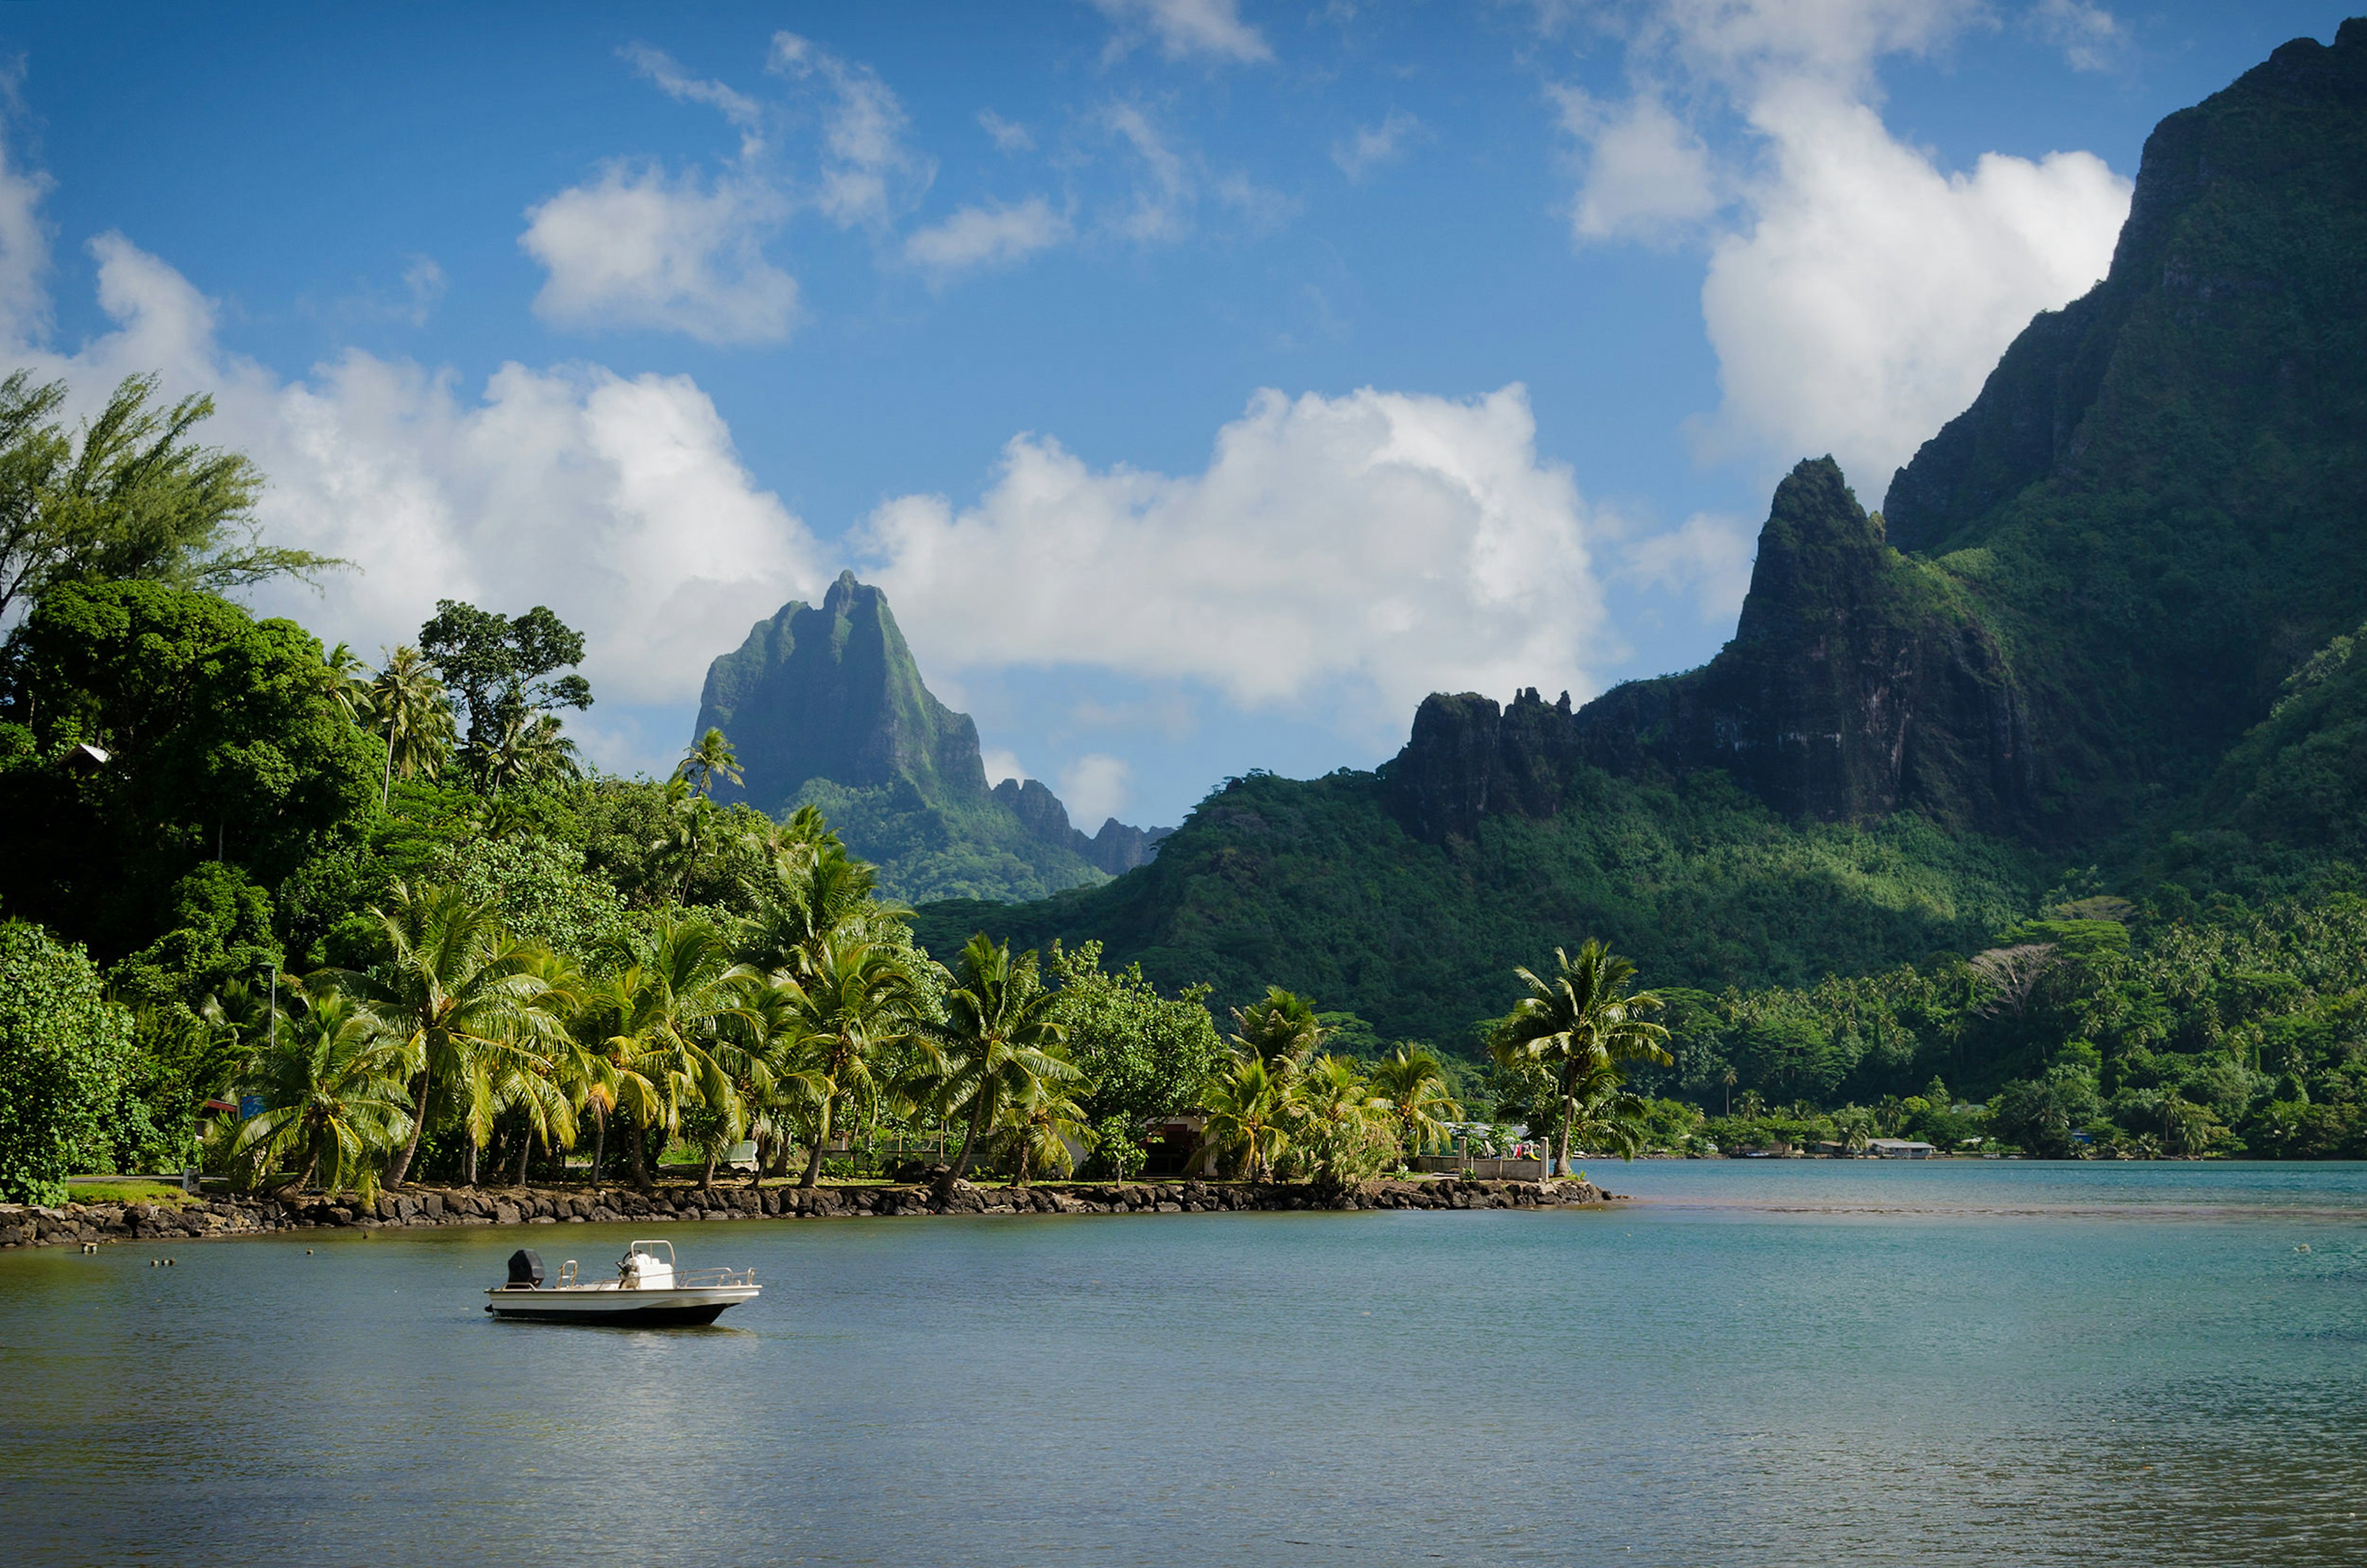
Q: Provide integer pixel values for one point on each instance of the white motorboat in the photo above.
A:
(647, 1291)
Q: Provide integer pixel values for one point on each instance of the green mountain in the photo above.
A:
(2103, 620)
(825, 706)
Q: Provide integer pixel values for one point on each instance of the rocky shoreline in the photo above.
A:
(90, 1224)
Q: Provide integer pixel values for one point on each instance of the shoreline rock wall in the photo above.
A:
(86, 1223)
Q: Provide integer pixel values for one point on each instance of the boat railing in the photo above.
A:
(710, 1279)
(567, 1274)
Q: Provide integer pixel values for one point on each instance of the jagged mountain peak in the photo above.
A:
(825, 704)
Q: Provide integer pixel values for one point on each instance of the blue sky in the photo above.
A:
(1204, 379)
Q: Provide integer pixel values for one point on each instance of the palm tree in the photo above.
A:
(1279, 1029)
(1248, 1115)
(662, 1025)
(341, 682)
(709, 757)
(334, 1091)
(1421, 1103)
(806, 894)
(530, 751)
(1333, 1113)
(461, 996)
(856, 1001)
(408, 711)
(1584, 1018)
(1604, 1116)
(1001, 1038)
(1044, 1121)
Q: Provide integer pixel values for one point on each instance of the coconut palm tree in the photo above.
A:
(1044, 1121)
(805, 896)
(531, 749)
(1248, 1115)
(855, 1002)
(1280, 1028)
(462, 996)
(342, 683)
(709, 756)
(999, 1038)
(333, 1087)
(664, 1026)
(1603, 1116)
(1584, 1017)
(1413, 1083)
(407, 710)
(1334, 1117)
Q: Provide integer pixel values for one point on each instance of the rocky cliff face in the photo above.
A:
(1858, 684)
(831, 692)
(825, 704)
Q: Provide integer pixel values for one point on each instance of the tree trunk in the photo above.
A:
(640, 1155)
(706, 1177)
(469, 1172)
(1561, 1140)
(599, 1139)
(969, 1138)
(386, 786)
(402, 1166)
(526, 1148)
(812, 1177)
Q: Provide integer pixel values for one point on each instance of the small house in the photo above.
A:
(1899, 1148)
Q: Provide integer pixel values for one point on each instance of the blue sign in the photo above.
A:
(249, 1105)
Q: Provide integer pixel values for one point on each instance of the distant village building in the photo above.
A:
(1898, 1148)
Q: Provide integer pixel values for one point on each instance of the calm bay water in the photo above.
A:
(1756, 1362)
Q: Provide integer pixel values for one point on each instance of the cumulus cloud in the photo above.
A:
(1002, 764)
(1371, 147)
(640, 247)
(1872, 294)
(1856, 293)
(1096, 787)
(618, 502)
(24, 250)
(1367, 548)
(1209, 28)
(986, 236)
(1646, 174)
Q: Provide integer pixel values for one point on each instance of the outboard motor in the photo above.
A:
(525, 1269)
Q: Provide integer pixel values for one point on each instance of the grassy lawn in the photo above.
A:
(126, 1191)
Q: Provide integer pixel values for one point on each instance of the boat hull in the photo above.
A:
(632, 1309)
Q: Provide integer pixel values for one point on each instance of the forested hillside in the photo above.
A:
(2099, 645)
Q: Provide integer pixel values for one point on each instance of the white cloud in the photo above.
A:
(641, 248)
(644, 246)
(1709, 558)
(744, 112)
(1365, 549)
(1008, 136)
(24, 250)
(425, 281)
(986, 236)
(1000, 765)
(1212, 28)
(618, 502)
(2091, 37)
(1857, 294)
(1370, 147)
(1095, 788)
(1871, 295)
(1164, 195)
(1646, 173)
(868, 175)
